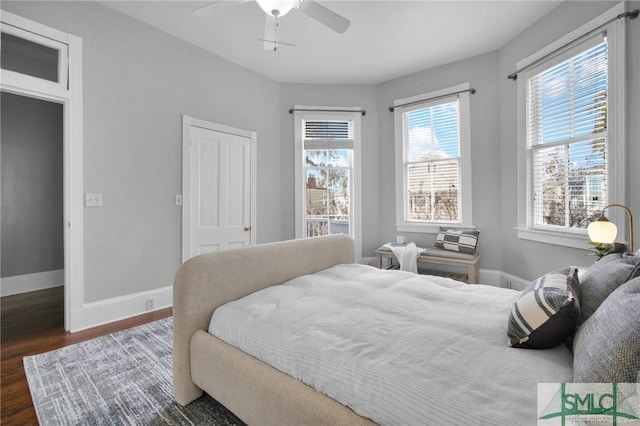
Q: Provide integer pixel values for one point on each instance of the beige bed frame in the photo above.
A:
(255, 392)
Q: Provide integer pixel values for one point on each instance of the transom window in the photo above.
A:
(28, 58)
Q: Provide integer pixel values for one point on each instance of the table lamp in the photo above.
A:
(605, 232)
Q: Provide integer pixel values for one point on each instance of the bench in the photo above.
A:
(439, 257)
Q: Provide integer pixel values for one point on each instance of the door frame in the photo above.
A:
(187, 197)
(71, 98)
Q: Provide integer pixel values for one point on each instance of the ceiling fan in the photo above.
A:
(275, 9)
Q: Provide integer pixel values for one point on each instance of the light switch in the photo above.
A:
(179, 200)
(93, 200)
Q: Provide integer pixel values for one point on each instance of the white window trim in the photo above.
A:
(42, 35)
(402, 224)
(356, 212)
(616, 132)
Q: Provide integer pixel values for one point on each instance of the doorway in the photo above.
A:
(31, 208)
(219, 180)
(41, 69)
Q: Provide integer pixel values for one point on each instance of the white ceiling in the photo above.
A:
(386, 39)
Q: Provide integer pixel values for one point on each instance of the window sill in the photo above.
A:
(566, 239)
(430, 228)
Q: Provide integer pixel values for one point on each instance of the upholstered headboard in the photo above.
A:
(207, 281)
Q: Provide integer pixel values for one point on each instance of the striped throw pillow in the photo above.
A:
(462, 241)
(547, 312)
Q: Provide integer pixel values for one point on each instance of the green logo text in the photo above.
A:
(591, 402)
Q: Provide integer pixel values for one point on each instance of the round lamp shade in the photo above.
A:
(282, 7)
(602, 231)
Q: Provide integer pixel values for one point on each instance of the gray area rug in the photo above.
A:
(124, 378)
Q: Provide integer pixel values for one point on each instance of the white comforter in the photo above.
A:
(396, 347)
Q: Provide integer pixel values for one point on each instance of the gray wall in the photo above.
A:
(528, 259)
(31, 205)
(481, 72)
(137, 83)
(494, 141)
(364, 96)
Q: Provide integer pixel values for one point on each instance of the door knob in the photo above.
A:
(247, 228)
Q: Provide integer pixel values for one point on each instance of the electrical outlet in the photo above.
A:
(93, 200)
(151, 303)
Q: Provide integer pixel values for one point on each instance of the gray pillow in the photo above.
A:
(606, 348)
(636, 271)
(603, 277)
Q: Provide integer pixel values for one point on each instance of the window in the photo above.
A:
(29, 58)
(567, 139)
(327, 151)
(433, 170)
(566, 144)
(26, 57)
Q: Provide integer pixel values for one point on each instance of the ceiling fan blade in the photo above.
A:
(278, 43)
(270, 32)
(216, 7)
(205, 10)
(325, 16)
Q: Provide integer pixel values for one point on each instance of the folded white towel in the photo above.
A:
(407, 256)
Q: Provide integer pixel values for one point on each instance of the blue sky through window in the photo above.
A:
(573, 104)
(433, 132)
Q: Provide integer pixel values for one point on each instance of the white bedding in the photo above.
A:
(396, 347)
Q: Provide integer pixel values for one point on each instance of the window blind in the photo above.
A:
(328, 129)
(432, 162)
(567, 139)
(319, 134)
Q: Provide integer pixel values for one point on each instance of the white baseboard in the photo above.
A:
(490, 277)
(118, 308)
(371, 261)
(31, 282)
(511, 281)
(502, 279)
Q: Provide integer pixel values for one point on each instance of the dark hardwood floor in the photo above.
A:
(32, 323)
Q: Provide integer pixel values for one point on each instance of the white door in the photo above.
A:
(218, 202)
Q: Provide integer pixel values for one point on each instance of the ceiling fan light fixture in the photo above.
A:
(276, 8)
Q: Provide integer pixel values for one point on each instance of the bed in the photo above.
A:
(470, 376)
